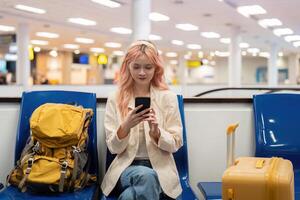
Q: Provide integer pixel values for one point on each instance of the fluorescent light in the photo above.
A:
(200, 54)
(97, 50)
(30, 9)
(13, 48)
(283, 31)
(53, 53)
(77, 51)
(7, 28)
(173, 62)
(280, 54)
(253, 50)
(269, 22)
(177, 42)
(107, 3)
(222, 53)
(193, 46)
(113, 45)
(39, 42)
(264, 54)
(244, 45)
(210, 35)
(292, 38)
(296, 44)
(187, 27)
(244, 53)
(154, 37)
(71, 46)
(37, 49)
(84, 40)
(10, 57)
(118, 53)
(47, 34)
(121, 30)
(251, 10)
(82, 21)
(171, 54)
(225, 40)
(154, 16)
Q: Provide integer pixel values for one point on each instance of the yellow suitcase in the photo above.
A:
(254, 178)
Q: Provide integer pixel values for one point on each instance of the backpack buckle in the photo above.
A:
(30, 162)
(36, 147)
(64, 166)
(76, 149)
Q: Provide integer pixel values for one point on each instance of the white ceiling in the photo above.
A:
(222, 17)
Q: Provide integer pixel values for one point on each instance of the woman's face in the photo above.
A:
(142, 70)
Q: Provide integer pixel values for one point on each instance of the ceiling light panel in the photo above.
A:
(7, 28)
(82, 21)
(171, 54)
(154, 37)
(251, 10)
(121, 30)
(113, 45)
(296, 44)
(157, 17)
(225, 40)
(187, 27)
(193, 46)
(283, 31)
(84, 40)
(39, 42)
(107, 3)
(47, 35)
(292, 38)
(244, 45)
(177, 42)
(269, 22)
(97, 50)
(30, 9)
(210, 35)
(71, 46)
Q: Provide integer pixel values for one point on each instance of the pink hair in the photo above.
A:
(126, 82)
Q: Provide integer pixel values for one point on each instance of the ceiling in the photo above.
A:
(208, 15)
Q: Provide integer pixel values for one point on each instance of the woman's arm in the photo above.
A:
(115, 144)
(170, 136)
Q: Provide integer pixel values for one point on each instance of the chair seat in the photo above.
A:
(211, 190)
(11, 193)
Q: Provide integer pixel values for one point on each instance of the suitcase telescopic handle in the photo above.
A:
(231, 143)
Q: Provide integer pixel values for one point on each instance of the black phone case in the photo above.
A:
(145, 101)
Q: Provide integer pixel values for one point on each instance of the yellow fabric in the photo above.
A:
(46, 170)
(57, 128)
(58, 125)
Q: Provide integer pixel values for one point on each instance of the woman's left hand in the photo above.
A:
(153, 124)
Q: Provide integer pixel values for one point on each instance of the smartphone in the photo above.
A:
(145, 101)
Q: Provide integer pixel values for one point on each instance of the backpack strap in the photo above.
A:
(76, 152)
(28, 170)
(63, 172)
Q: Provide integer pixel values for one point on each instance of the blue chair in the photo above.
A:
(181, 159)
(277, 129)
(30, 101)
(276, 134)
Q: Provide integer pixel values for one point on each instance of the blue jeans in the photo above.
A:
(140, 182)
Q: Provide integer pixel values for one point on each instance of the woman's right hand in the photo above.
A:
(131, 120)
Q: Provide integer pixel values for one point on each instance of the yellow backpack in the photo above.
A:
(55, 158)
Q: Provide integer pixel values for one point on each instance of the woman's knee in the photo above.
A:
(146, 174)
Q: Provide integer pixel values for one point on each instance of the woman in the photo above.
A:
(144, 167)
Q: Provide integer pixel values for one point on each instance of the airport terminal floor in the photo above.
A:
(220, 80)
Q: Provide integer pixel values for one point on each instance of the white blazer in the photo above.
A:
(165, 104)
